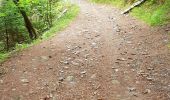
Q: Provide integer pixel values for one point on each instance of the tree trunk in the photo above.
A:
(50, 2)
(28, 24)
(7, 37)
(133, 6)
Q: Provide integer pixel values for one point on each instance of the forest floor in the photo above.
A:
(102, 55)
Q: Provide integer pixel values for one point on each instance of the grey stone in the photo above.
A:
(24, 80)
(115, 82)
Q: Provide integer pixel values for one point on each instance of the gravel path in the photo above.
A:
(102, 55)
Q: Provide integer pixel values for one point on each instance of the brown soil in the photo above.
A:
(102, 55)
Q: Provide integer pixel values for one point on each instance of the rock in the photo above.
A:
(129, 42)
(65, 67)
(65, 62)
(149, 78)
(133, 53)
(117, 62)
(130, 58)
(2, 71)
(135, 94)
(24, 80)
(131, 89)
(121, 59)
(93, 76)
(50, 95)
(44, 57)
(83, 72)
(50, 56)
(70, 78)
(147, 91)
(118, 30)
(113, 67)
(1, 81)
(167, 29)
(75, 63)
(61, 79)
(115, 82)
(149, 68)
(116, 70)
(14, 89)
(61, 71)
(94, 44)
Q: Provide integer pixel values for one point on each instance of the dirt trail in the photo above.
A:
(102, 55)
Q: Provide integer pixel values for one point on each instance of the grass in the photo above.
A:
(151, 13)
(59, 24)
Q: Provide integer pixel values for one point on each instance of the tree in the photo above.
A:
(28, 24)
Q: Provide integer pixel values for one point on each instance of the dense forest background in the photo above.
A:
(23, 22)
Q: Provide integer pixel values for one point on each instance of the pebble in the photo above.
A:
(65, 67)
(149, 78)
(94, 44)
(65, 62)
(83, 72)
(1, 81)
(24, 80)
(44, 57)
(115, 82)
(93, 76)
(70, 78)
(147, 91)
(74, 63)
(150, 68)
(121, 59)
(131, 89)
(116, 70)
(14, 89)
(61, 79)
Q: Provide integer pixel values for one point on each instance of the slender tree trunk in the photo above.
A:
(50, 3)
(7, 37)
(28, 24)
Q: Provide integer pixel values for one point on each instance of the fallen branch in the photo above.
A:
(133, 6)
(62, 13)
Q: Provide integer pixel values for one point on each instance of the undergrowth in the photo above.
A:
(59, 24)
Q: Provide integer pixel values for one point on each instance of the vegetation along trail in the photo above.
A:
(102, 55)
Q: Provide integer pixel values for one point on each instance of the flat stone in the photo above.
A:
(131, 89)
(115, 82)
(121, 59)
(61, 79)
(44, 57)
(70, 78)
(147, 91)
(24, 80)
(1, 81)
(83, 72)
(93, 76)
(149, 78)
(75, 63)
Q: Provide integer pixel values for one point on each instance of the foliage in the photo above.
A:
(14, 27)
(58, 25)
